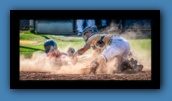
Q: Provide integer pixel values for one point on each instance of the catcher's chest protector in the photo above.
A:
(99, 41)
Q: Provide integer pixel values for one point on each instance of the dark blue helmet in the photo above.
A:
(52, 45)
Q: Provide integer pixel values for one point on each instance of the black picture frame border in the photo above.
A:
(17, 15)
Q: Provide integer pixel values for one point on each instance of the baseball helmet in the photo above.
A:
(52, 44)
(93, 30)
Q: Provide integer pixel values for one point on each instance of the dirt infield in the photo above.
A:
(144, 75)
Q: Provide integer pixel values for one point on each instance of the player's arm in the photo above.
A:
(88, 44)
(82, 50)
(79, 52)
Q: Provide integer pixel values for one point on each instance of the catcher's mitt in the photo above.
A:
(70, 51)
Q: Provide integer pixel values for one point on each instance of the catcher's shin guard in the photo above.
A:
(122, 64)
(125, 65)
(133, 66)
(100, 61)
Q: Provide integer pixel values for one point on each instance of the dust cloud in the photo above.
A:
(39, 62)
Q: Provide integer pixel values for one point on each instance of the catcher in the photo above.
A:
(110, 47)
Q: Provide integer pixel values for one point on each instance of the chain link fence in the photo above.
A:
(24, 24)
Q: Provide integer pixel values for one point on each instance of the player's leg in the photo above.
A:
(119, 49)
(113, 50)
(108, 54)
(103, 22)
(100, 61)
(125, 64)
(80, 26)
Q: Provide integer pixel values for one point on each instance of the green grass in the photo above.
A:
(62, 42)
(140, 44)
(65, 42)
(30, 36)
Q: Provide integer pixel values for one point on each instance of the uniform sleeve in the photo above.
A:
(87, 45)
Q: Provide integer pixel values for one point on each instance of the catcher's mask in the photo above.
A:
(50, 45)
(92, 30)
